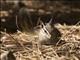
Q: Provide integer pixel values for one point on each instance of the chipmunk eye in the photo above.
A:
(42, 26)
(45, 31)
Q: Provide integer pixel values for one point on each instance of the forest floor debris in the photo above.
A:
(26, 48)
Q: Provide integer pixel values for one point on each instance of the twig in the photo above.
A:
(18, 42)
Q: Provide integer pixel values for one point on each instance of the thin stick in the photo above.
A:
(19, 42)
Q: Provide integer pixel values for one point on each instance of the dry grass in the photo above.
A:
(26, 47)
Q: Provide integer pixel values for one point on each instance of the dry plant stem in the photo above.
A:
(57, 43)
(18, 42)
(36, 50)
(17, 21)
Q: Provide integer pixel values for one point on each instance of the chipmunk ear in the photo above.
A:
(50, 21)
